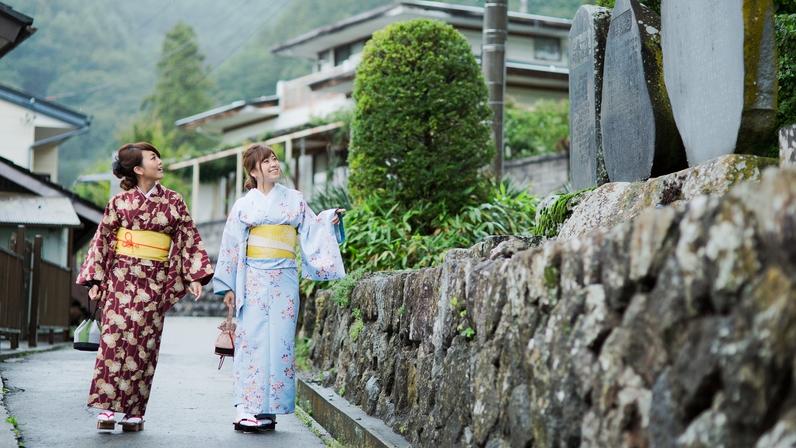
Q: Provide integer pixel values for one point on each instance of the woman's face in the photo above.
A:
(269, 170)
(151, 166)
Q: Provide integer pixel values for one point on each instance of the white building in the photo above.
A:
(32, 128)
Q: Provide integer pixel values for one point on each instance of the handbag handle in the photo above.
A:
(96, 307)
(230, 312)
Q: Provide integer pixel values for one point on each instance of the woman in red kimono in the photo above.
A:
(145, 256)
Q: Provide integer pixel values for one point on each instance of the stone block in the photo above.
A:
(587, 53)
(639, 135)
(617, 202)
(721, 75)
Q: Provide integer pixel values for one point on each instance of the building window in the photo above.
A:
(343, 53)
(547, 49)
(324, 61)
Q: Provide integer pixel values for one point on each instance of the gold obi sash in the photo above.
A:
(272, 242)
(143, 244)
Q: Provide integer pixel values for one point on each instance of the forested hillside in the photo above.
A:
(100, 56)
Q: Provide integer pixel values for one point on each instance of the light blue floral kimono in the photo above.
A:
(267, 294)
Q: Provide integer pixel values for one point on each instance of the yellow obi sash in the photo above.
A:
(272, 242)
(143, 244)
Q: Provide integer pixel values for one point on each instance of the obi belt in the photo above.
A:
(143, 244)
(269, 241)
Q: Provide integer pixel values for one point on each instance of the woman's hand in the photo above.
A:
(336, 217)
(94, 293)
(195, 288)
(229, 299)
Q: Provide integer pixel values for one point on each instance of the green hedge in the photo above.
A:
(419, 134)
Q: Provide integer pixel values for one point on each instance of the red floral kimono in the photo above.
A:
(137, 292)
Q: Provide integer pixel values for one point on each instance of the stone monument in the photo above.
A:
(586, 54)
(720, 72)
(639, 135)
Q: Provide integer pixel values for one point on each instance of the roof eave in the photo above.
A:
(42, 106)
(283, 48)
(229, 109)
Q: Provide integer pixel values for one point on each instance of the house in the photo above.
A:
(536, 68)
(31, 130)
(66, 221)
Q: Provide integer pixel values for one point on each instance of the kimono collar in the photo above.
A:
(270, 194)
(148, 193)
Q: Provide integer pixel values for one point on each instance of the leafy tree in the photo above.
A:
(182, 89)
(785, 6)
(543, 129)
(419, 124)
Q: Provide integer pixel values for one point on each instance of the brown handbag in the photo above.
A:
(225, 342)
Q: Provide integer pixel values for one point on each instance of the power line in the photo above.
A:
(142, 67)
(114, 47)
(249, 36)
(171, 53)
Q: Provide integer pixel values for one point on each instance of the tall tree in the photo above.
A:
(183, 87)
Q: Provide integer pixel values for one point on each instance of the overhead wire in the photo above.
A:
(238, 46)
(142, 67)
(114, 47)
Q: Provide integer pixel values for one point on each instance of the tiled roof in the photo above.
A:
(37, 210)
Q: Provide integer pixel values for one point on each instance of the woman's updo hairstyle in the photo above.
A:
(127, 158)
(252, 159)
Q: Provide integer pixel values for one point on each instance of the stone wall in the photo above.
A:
(546, 173)
(675, 329)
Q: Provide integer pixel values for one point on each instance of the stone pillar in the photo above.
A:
(586, 56)
(639, 135)
(721, 74)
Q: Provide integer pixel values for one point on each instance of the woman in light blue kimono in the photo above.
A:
(257, 273)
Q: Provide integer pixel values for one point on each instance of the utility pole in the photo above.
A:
(493, 67)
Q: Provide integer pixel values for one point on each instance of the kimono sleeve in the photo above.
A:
(230, 255)
(189, 261)
(100, 253)
(318, 242)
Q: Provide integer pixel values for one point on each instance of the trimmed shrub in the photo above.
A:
(419, 129)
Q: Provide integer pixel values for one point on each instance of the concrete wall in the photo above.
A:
(675, 329)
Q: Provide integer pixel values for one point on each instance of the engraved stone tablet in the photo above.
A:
(721, 75)
(586, 55)
(640, 138)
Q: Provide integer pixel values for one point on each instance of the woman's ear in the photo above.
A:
(138, 170)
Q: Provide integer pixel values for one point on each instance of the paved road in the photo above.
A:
(190, 404)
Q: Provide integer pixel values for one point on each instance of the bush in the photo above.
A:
(543, 129)
(786, 52)
(382, 237)
(419, 134)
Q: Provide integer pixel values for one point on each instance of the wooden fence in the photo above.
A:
(12, 295)
(34, 293)
(54, 298)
